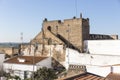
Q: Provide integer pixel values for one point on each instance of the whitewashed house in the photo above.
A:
(101, 58)
(2, 58)
(105, 47)
(23, 66)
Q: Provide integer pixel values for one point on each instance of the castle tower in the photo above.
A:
(70, 32)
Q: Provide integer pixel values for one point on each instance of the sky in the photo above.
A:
(26, 16)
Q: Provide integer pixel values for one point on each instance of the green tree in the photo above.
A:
(45, 74)
(17, 77)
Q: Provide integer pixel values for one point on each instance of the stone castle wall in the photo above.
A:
(9, 50)
(70, 32)
(57, 52)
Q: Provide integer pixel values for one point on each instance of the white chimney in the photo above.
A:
(21, 60)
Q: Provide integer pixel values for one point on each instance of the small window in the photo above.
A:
(49, 41)
(49, 28)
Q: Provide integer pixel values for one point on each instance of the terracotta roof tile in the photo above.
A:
(28, 60)
(86, 76)
(113, 76)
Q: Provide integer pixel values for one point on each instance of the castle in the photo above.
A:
(70, 33)
(70, 46)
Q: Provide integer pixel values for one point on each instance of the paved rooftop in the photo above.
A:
(28, 60)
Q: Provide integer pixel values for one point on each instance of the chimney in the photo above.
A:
(111, 69)
(21, 60)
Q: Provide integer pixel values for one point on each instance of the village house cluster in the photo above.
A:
(67, 44)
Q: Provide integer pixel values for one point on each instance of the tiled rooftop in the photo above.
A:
(86, 76)
(28, 60)
(114, 76)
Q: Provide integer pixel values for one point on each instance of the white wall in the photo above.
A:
(101, 71)
(95, 63)
(72, 57)
(2, 58)
(108, 47)
(116, 69)
(45, 63)
(20, 68)
(91, 59)
(24, 67)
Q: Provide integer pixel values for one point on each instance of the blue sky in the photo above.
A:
(26, 16)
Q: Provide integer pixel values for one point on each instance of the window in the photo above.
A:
(49, 28)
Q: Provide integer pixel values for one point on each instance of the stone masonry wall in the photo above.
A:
(71, 31)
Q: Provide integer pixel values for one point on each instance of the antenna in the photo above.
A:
(76, 7)
(21, 38)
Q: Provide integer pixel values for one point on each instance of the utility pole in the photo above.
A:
(35, 45)
(68, 42)
(21, 38)
(43, 36)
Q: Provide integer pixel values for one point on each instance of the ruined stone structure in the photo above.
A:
(70, 33)
(9, 50)
(58, 38)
